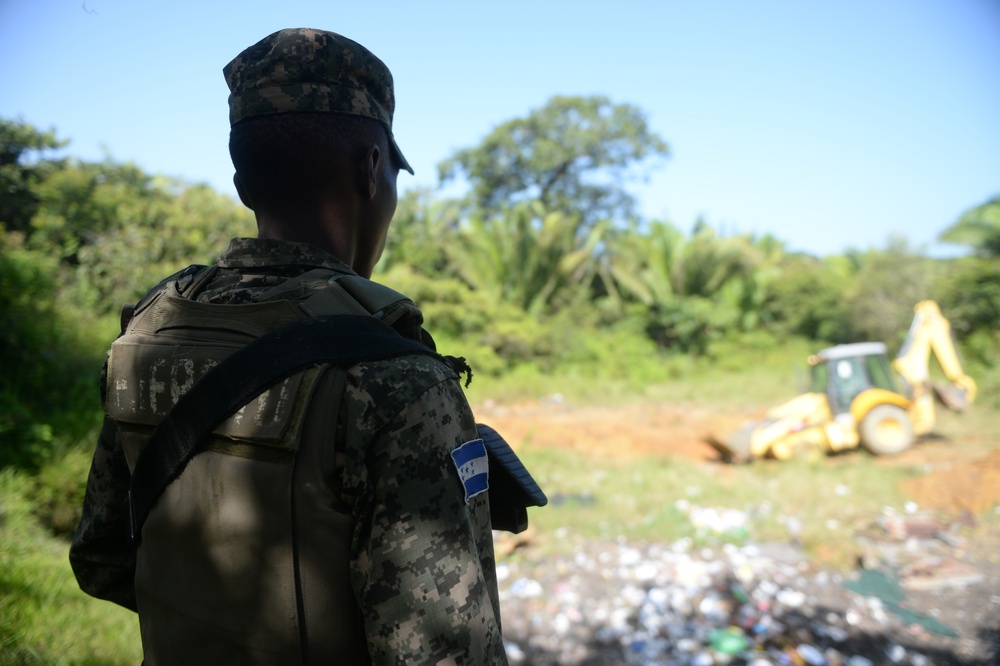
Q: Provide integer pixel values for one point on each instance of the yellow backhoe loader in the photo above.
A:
(856, 400)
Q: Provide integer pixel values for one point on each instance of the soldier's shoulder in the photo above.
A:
(182, 278)
(378, 392)
(410, 374)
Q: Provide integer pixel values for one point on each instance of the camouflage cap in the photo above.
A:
(300, 70)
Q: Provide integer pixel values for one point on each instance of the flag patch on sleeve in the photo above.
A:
(473, 467)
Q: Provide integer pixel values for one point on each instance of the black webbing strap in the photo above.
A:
(336, 339)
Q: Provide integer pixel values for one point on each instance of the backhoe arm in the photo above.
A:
(931, 332)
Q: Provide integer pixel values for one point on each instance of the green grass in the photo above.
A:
(44, 617)
(735, 377)
(658, 500)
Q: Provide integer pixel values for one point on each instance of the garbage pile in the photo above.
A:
(677, 605)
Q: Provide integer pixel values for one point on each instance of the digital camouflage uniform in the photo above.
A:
(338, 530)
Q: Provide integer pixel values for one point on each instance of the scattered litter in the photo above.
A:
(699, 601)
(935, 573)
(674, 604)
(886, 589)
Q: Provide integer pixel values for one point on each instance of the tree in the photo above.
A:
(694, 288)
(417, 232)
(81, 201)
(887, 285)
(574, 156)
(155, 230)
(978, 228)
(21, 169)
(539, 260)
(969, 294)
(808, 298)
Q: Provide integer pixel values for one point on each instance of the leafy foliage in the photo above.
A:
(696, 289)
(495, 336)
(418, 233)
(48, 390)
(117, 228)
(21, 169)
(57, 491)
(971, 288)
(886, 286)
(45, 618)
(178, 226)
(978, 228)
(574, 156)
(808, 299)
(79, 240)
(539, 260)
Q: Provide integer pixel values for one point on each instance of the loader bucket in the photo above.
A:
(736, 449)
(952, 397)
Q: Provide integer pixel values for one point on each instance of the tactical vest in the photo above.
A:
(227, 568)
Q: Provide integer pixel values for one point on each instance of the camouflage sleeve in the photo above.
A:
(101, 554)
(423, 566)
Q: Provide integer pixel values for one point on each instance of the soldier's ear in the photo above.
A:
(242, 192)
(373, 163)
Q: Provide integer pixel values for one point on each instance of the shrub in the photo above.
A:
(57, 492)
(48, 390)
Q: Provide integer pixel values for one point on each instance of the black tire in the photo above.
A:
(886, 430)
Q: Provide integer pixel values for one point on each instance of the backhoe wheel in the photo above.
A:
(886, 430)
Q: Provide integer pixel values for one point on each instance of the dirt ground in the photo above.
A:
(962, 477)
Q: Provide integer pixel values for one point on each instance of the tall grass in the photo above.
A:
(616, 369)
(44, 617)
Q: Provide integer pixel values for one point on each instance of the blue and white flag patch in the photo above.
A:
(473, 467)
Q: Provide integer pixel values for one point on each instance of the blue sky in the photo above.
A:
(829, 124)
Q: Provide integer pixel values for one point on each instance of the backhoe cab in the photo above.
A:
(856, 398)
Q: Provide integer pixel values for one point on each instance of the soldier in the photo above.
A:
(340, 516)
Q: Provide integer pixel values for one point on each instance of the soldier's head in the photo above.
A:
(311, 114)
(291, 156)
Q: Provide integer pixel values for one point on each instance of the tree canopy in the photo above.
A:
(22, 167)
(574, 155)
(979, 228)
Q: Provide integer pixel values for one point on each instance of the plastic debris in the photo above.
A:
(702, 601)
(731, 640)
(683, 606)
(886, 589)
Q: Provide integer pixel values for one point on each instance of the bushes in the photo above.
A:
(77, 241)
(48, 390)
(56, 492)
(495, 336)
